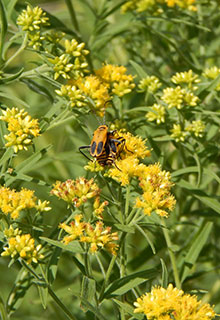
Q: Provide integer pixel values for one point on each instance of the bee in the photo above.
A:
(104, 147)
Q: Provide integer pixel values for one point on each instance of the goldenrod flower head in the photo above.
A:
(115, 77)
(157, 114)
(12, 201)
(32, 19)
(35, 40)
(99, 207)
(75, 229)
(62, 66)
(22, 245)
(212, 72)
(73, 94)
(197, 127)
(93, 87)
(177, 133)
(42, 206)
(184, 4)
(76, 192)
(134, 146)
(75, 49)
(153, 5)
(186, 77)
(100, 237)
(150, 83)
(129, 168)
(189, 98)
(11, 232)
(173, 97)
(22, 128)
(156, 185)
(94, 166)
(172, 303)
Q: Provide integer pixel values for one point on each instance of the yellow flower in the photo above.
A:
(93, 88)
(99, 207)
(134, 145)
(212, 73)
(12, 202)
(186, 77)
(76, 192)
(197, 127)
(73, 94)
(189, 98)
(115, 77)
(156, 187)
(75, 229)
(62, 66)
(32, 19)
(94, 166)
(22, 128)
(75, 49)
(129, 168)
(173, 97)
(100, 237)
(150, 83)
(157, 114)
(172, 303)
(177, 133)
(21, 245)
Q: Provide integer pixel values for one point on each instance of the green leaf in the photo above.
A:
(20, 288)
(123, 285)
(125, 228)
(140, 71)
(91, 308)
(197, 244)
(213, 84)
(79, 265)
(43, 293)
(3, 26)
(208, 200)
(88, 291)
(12, 77)
(164, 282)
(73, 247)
(3, 311)
(129, 309)
(15, 99)
(6, 156)
(27, 164)
(36, 87)
(53, 265)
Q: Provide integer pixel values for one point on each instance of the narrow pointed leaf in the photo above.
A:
(73, 246)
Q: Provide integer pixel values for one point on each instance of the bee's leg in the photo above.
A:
(84, 147)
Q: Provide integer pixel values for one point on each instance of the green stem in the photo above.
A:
(127, 202)
(108, 273)
(50, 291)
(100, 265)
(22, 47)
(72, 14)
(171, 254)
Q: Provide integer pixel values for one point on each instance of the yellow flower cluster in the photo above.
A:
(212, 73)
(154, 182)
(13, 202)
(22, 128)
(116, 79)
(156, 195)
(178, 97)
(78, 191)
(172, 303)
(97, 237)
(72, 62)
(178, 133)
(197, 128)
(154, 5)
(21, 245)
(32, 20)
(95, 91)
(150, 83)
(156, 113)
